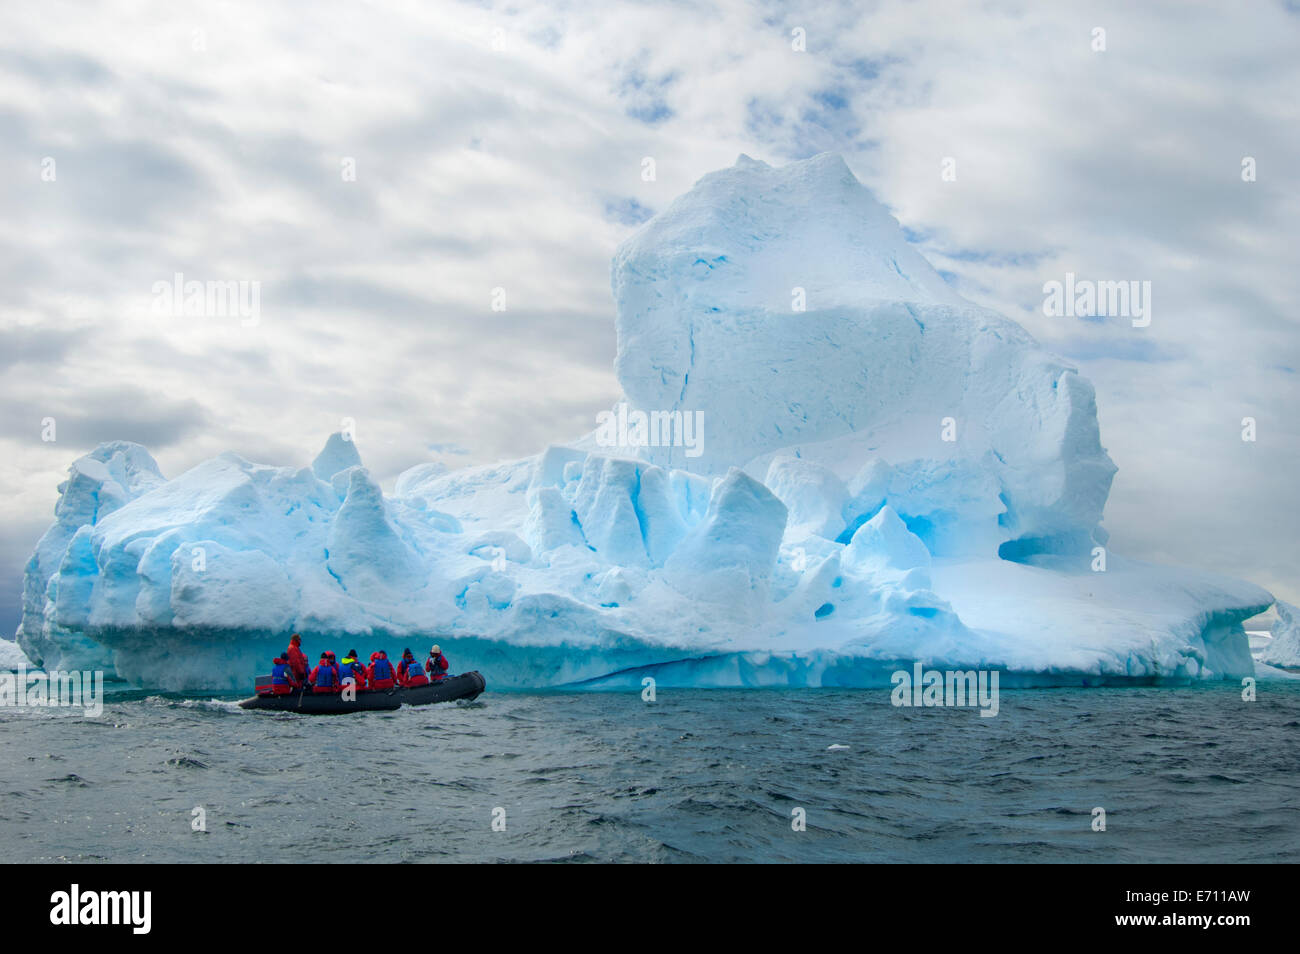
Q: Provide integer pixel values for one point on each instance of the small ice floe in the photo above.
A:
(836, 747)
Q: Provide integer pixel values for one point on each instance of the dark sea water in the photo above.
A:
(1187, 775)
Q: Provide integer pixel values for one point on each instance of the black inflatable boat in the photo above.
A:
(465, 686)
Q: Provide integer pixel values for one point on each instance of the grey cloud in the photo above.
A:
(38, 345)
(95, 414)
(53, 67)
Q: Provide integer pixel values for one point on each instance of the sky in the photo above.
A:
(381, 168)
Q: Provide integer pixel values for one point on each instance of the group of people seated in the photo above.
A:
(289, 670)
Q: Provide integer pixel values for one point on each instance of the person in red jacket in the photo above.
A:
(380, 673)
(297, 659)
(325, 677)
(436, 665)
(409, 672)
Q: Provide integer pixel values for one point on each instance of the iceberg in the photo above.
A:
(1284, 649)
(11, 657)
(878, 473)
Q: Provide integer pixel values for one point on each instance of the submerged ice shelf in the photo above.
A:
(892, 474)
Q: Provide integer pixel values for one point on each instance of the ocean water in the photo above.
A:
(701, 775)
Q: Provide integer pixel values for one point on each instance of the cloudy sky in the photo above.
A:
(501, 146)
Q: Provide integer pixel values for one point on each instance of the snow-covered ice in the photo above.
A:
(11, 657)
(1284, 648)
(885, 473)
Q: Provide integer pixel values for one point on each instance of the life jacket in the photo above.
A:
(411, 672)
(280, 675)
(382, 669)
(437, 667)
(352, 668)
(325, 676)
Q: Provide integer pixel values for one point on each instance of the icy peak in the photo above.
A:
(338, 454)
(748, 235)
(785, 305)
